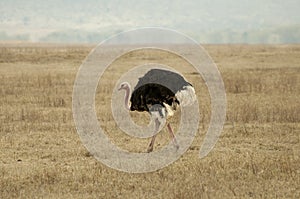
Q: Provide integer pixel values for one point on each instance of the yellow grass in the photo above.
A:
(257, 155)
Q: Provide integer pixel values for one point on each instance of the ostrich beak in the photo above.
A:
(119, 88)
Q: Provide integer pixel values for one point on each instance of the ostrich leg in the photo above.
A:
(172, 136)
(151, 145)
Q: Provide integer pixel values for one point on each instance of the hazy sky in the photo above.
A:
(40, 18)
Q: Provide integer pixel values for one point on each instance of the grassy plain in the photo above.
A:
(257, 155)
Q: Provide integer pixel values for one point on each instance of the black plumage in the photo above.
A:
(157, 86)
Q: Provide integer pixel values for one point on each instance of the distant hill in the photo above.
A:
(208, 21)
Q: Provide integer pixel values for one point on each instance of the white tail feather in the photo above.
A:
(186, 96)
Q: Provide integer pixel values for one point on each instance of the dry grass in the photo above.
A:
(257, 155)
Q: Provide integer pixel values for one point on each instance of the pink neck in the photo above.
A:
(127, 94)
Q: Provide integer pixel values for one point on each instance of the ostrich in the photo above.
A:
(159, 92)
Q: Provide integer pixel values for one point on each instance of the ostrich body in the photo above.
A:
(159, 92)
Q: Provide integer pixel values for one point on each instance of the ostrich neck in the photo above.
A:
(127, 94)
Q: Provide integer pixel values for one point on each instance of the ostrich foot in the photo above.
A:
(150, 149)
(176, 146)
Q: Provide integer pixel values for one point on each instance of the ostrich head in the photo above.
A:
(126, 86)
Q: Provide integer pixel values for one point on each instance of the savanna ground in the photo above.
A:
(256, 156)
